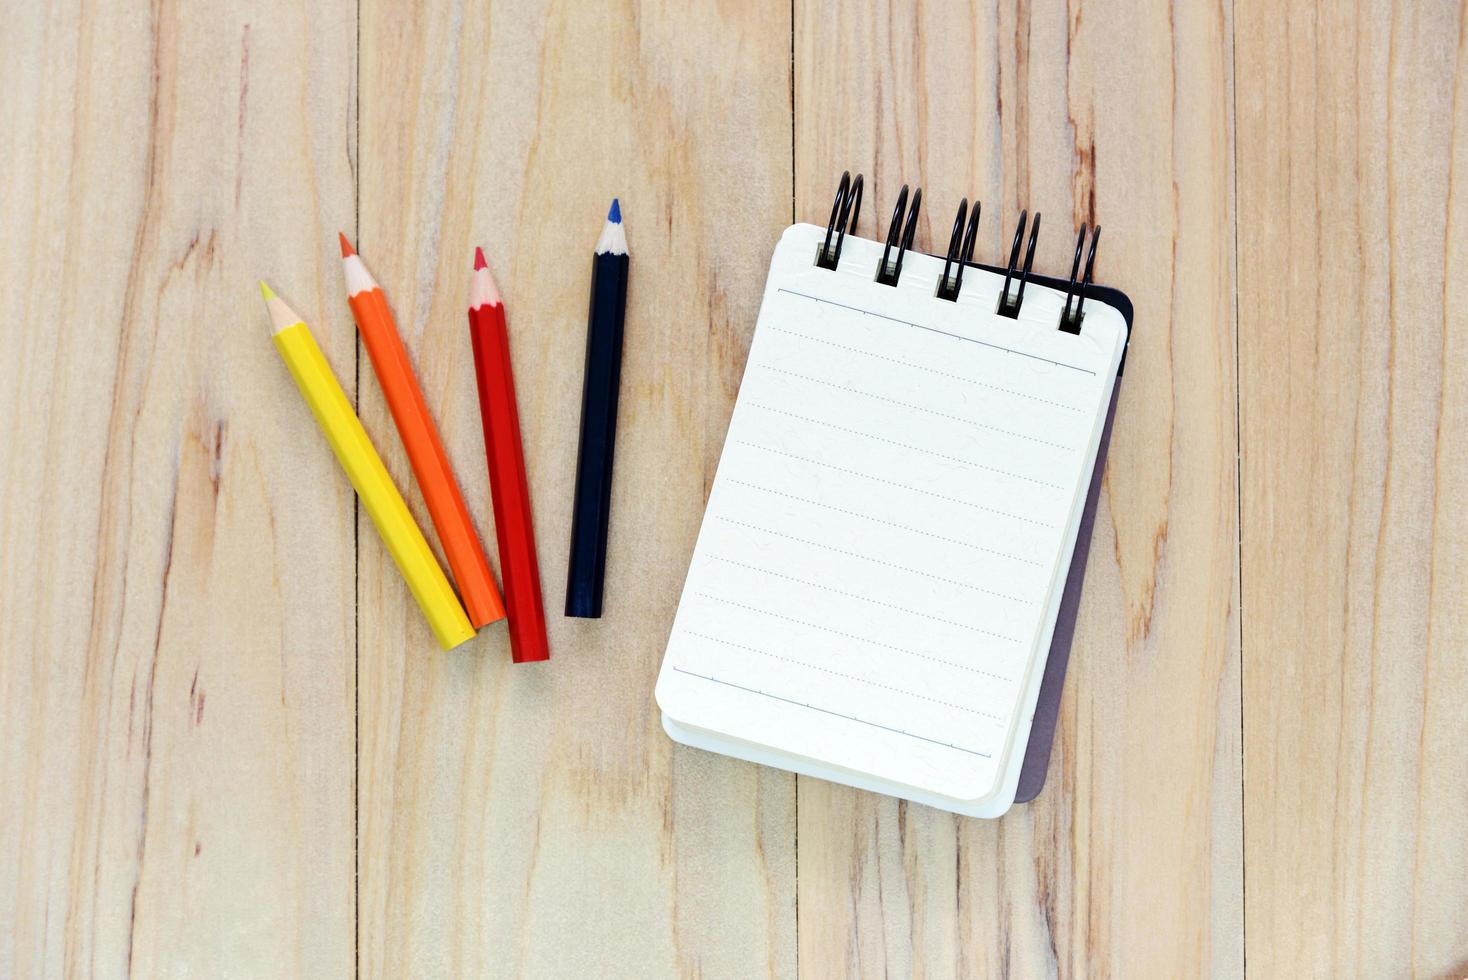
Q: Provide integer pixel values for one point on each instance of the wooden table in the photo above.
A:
(228, 744)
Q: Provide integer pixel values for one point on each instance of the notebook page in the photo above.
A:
(873, 579)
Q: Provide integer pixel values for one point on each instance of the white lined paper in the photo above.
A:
(876, 567)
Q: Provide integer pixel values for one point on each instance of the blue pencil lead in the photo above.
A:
(613, 238)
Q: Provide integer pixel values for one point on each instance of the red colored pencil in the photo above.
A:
(509, 489)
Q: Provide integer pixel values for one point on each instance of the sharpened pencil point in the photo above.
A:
(347, 249)
(266, 292)
(482, 288)
(613, 238)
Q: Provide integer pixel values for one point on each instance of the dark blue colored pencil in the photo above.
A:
(593, 505)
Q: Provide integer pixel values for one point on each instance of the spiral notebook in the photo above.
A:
(884, 586)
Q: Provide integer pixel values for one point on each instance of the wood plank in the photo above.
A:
(534, 820)
(1119, 113)
(1353, 250)
(176, 681)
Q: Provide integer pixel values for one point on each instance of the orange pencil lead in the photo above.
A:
(347, 249)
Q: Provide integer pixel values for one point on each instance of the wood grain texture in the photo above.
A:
(1042, 107)
(534, 820)
(176, 547)
(1353, 345)
(192, 613)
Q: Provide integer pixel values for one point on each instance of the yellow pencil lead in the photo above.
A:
(266, 291)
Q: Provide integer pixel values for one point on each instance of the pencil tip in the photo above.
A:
(615, 214)
(479, 262)
(266, 292)
(347, 249)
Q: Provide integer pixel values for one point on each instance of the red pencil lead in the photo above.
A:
(347, 249)
(479, 262)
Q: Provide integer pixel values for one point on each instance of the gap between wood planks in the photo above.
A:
(1233, 52)
(356, 549)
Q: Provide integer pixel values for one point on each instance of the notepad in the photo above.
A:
(880, 568)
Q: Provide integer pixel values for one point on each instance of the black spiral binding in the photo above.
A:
(960, 256)
(1070, 320)
(847, 205)
(1009, 305)
(900, 232)
(889, 273)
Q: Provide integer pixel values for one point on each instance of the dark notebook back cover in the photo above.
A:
(1052, 684)
(1047, 708)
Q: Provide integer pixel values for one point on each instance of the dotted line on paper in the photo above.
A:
(945, 333)
(850, 677)
(893, 483)
(924, 367)
(903, 445)
(853, 636)
(917, 408)
(828, 711)
(880, 561)
(849, 513)
(858, 432)
(862, 598)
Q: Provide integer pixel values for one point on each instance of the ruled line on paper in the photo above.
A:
(849, 677)
(879, 561)
(878, 602)
(915, 408)
(902, 445)
(865, 435)
(849, 513)
(900, 486)
(923, 367)
(850, 636)
(828, 711)
(945, 333)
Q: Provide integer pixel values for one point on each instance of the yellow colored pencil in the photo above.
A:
(401, 534)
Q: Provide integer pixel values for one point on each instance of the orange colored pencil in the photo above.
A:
(420, 437)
